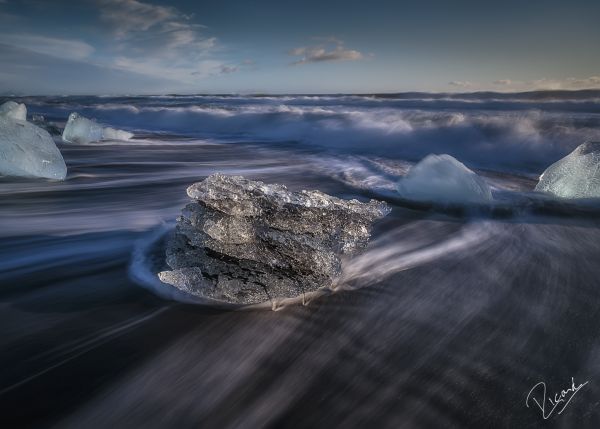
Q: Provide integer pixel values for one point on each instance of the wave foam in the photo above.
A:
(516, 135)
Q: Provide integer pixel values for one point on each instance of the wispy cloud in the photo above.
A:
(228, 69)
(218, 68)
(132, 16)
(158, 40)
(5, 16)
(145, 26)
(331, 49)
(61, 48)
(461, 84)
(35, 73)
(567, 83)
(213, 68)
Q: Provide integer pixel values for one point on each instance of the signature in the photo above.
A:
(559, 402)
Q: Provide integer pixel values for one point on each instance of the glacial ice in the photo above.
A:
(82, 130)
(243, 241)
(13, 110)
(443, 179)
(577, 175)
(29, 151)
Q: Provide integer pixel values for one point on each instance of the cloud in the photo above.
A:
(228, 69)
(146, 28)
(183, 73)
(592, 81)
(8, 19)
(29, 72)
(60, 48)
(214, 68)
(134, 36)
(130, 16)
(569, 83)
(461, 84)
(158, 40)
(325, 52)
(543, 84)
(217, 68)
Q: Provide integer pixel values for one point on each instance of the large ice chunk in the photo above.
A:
(82, 130)
(442, 179)
(29, 151)
(247, 242)
(577, 175)
(13, 110)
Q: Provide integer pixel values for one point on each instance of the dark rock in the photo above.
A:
(246, 242)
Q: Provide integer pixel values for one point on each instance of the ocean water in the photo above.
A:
(448, 319)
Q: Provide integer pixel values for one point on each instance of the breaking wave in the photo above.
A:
(497, 131)
(450, 321)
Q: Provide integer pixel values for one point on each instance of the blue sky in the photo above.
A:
(139, 46)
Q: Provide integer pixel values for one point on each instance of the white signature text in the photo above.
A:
(549, 404)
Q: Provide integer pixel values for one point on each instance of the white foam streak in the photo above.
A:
(408, 248)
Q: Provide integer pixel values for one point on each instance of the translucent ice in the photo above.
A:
(13, 110)
(443, 179)
(82, 130)
(246, 242)
(29, 151)
(577, 175)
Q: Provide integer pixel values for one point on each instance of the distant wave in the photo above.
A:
(521, 132)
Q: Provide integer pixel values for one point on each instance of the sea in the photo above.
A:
(449, 319)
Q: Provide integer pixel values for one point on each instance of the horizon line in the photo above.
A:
(269, 94)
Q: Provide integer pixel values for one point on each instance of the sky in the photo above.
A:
(263, 46)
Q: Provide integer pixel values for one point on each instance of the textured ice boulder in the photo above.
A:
(29, 151)
(442, 179)
(13, 110)
(247, 242)
(82, 130)
(577, 175)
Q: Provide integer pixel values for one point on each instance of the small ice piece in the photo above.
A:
(443, 179)
(13, 110)
(28, 151)
(82, 130)
(577, 175)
